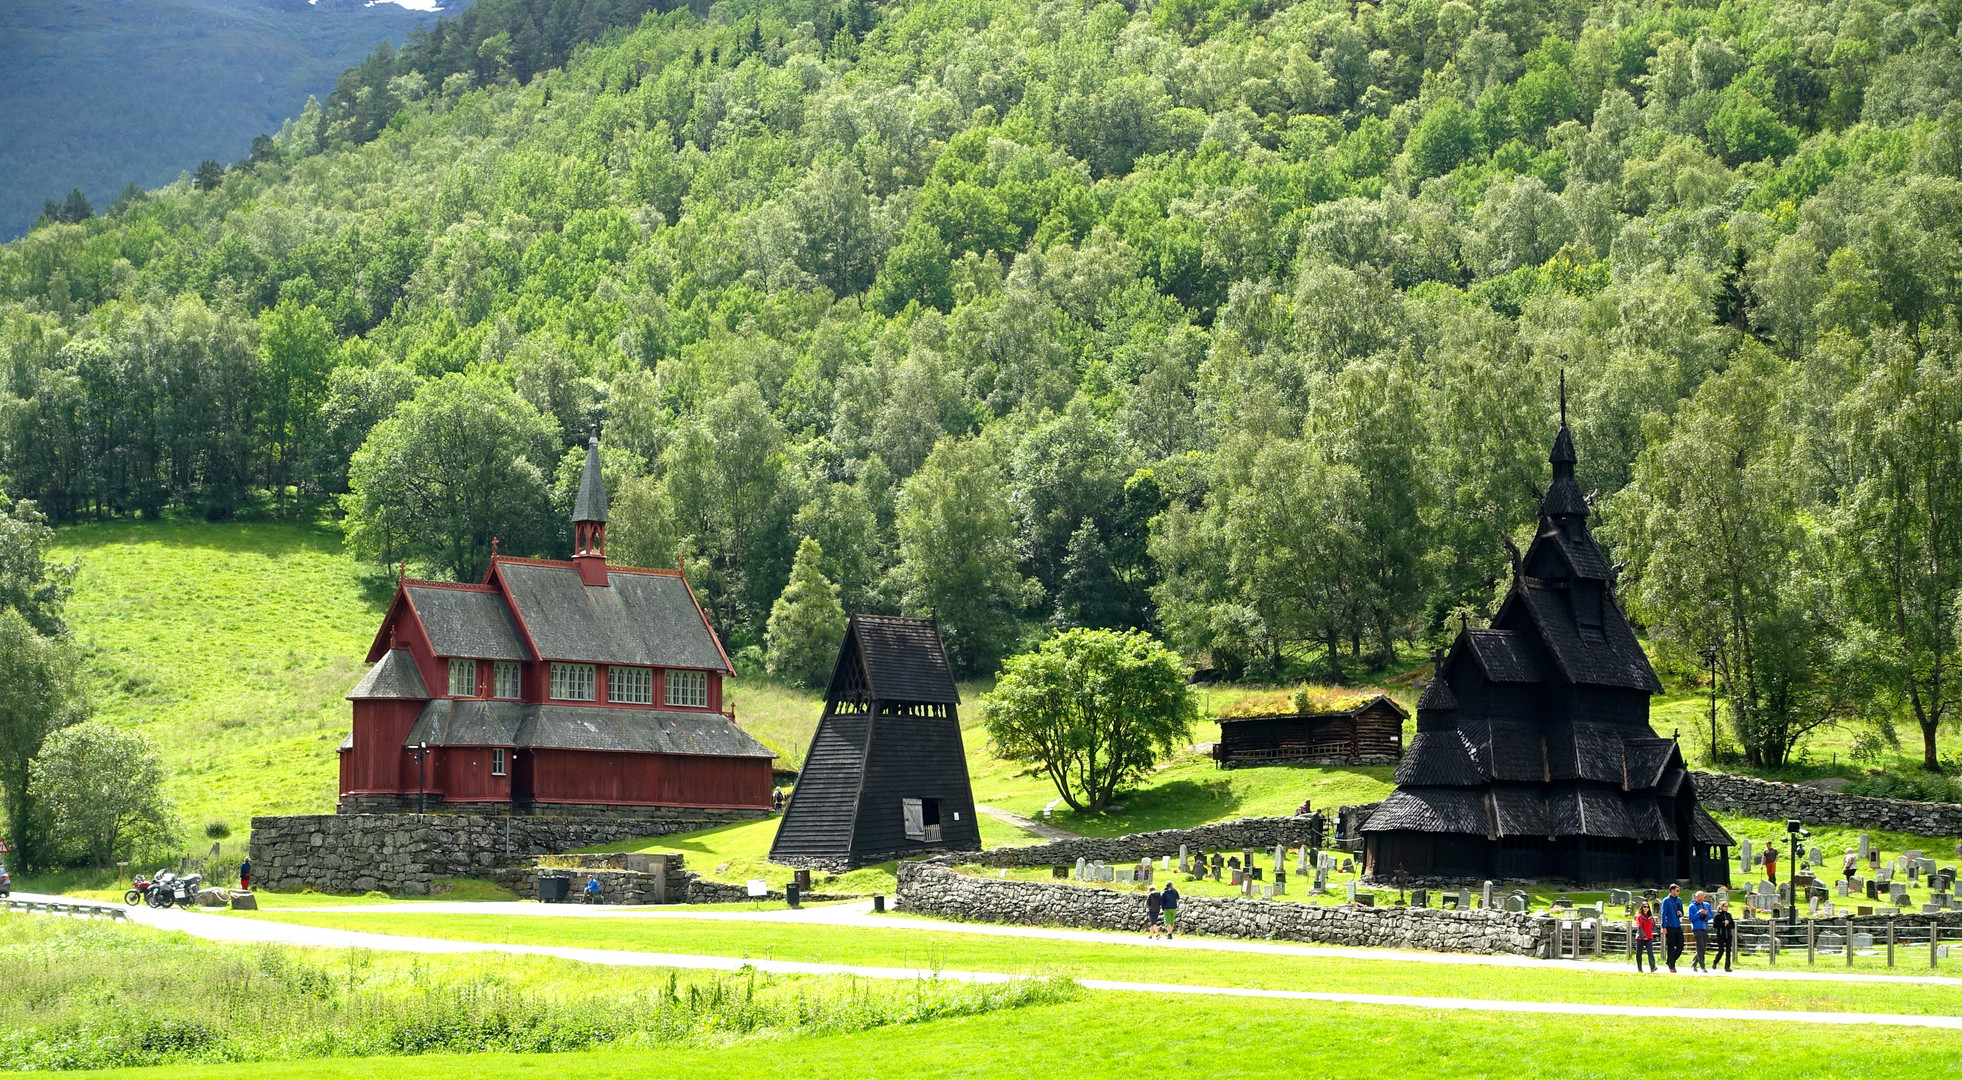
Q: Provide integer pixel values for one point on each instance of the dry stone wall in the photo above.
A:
(1252, 832)
(403, 853)
(930, 889)
(1767, 799)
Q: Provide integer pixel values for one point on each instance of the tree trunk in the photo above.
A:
(1929, 761)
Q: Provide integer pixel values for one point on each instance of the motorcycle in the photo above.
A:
(184, 890)
(167, 888)
(139, 891)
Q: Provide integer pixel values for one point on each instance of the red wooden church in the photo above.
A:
(551, 687)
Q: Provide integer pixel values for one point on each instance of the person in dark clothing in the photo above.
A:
(1771, 863)
(1168, 903)
(1724, 927)
(1672, 925)
(1644, 937)
(1154, 913)
(1700, 915)
(245, 874)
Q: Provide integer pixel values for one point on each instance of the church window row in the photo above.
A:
(580, 682)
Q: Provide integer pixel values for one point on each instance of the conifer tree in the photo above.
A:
(806, 622)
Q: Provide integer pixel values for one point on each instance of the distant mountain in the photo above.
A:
(96, 94)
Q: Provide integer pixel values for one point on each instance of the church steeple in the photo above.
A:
(589, 520)
(1563, 497)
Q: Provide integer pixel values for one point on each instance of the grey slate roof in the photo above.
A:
(393, 676)
(591, 504)
(470, 621)
(575, 727)
(904, 659)
(644, 619)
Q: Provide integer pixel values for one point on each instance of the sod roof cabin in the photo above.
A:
(551, 687)
(1533, 756)
(1368, 733)
(886, 774)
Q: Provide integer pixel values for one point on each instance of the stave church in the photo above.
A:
(1533, 756)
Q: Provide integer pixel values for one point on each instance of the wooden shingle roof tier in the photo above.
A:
(1605, 655)
(574, 727)
(1439, 759)
(1431, 810)
(904, 660)
(465, 620)
(393, 676)
(591, 503)
(646, 618)
(1506, 656)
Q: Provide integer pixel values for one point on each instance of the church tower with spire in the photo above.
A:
(589, 520)
(1534, 757)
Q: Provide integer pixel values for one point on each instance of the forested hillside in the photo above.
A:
(1243, 322)
(94, 96)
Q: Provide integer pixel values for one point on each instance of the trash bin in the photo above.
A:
(553, 890)
(791, 893)
(879, 902)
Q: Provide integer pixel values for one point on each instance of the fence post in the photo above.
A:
(1771, 935)
(1849, 941)
(1890, 943)
(1811, 939)
(1934, 939)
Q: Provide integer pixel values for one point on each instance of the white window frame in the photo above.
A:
(507, 680)
(685, 688)
(629, 685)
(463, 672)
(573, 682)
(497, 761)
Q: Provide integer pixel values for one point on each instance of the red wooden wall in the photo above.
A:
(588, 776)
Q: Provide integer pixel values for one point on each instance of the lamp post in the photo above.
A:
(1795, 830)
(421, 751)
(1710, 658)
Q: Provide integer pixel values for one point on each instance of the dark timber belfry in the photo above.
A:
(886, 774)
(1533, 756)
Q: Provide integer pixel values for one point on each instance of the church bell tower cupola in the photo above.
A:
(589, 521)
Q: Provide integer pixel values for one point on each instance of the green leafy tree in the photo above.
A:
(41, 692)
(296, 356)
(208, 176)
(464, 461)
(957, 555)
(806, 622)
(103, 790)
(1444, 139)
(29, 584)
(1096, 708)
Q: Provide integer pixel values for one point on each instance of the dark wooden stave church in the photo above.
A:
(1533, 756)
(886, 774)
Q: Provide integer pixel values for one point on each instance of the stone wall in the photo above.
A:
(1253, 832)
(1767, 799)
(937, 890)
(403, 853)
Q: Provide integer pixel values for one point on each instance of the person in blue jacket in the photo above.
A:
(594, 895)
(1701, 914)
(1672, 925)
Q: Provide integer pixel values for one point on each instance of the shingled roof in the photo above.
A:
(576, 727)
(393, 676)
(465, 620)
(591, 504)
(645, 618)
(904, 660)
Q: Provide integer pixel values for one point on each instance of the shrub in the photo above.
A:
(217, 830)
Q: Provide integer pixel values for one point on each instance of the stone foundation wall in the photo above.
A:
(1252, 832)
(936, 890)
(1767, 799)
(403, 853)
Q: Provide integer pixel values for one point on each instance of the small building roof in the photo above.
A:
(904, 659)
(466, 620)
(647, 617)
(393, 676)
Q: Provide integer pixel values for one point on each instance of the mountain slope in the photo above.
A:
(99, 95)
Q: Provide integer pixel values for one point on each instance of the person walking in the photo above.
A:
(1672, 926)
(1154, 913)
(1168, 905)
(1724, 927)
(1771, 863)
(1700, 914)
(245, 874)
(1851, 869)
(1645, 937)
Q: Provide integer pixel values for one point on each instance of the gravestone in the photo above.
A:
(1862, 940)
(1254, 873)
(1873, 890)
(1914, 872)
(1447, 902)
(1420, 898)
(1185, 865)
(1744, 862)
(1723, 894)
(1239, 877)
(1897, 894)
(1813, 855)
(1280, 857)
(1866, 845)
(1079, 869)
(1839, 887)
(1620, 897)
(1351, 886)
(1831, 941)
(1884, 874)
(1464, 899)
(1912, 853)
(1827, 910)
(1301, 864)
(1812, 906)
(1059, 871)
(1321, 881)
(1348, 866)
(1247, 857)
(1516, 904)
(1367, 900)
(1280, 885)
(1486, 898)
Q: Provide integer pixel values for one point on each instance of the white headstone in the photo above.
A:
(1079, 869)
(1862, 940)
(1866, 845)
(1280, 857)
(1185, 862)
(1464, 899)
(1301, 861)
(1813, 855)
(1352, 892)
(1744, 855)
(1839, 887)
(1485, 901)
(1812, 905)
(1321, 881)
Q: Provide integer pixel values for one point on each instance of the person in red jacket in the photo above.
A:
(1644, 938)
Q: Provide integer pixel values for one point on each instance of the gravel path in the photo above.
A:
(1027, 824)
(221, 928)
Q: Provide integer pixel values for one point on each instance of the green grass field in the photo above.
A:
(1609, 982)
